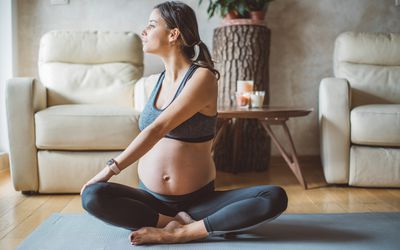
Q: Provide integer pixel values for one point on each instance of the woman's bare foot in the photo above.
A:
(173, 232)
(184, 218)
(156, 235)
(138, 236)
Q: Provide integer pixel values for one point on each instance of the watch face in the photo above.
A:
(110, 162)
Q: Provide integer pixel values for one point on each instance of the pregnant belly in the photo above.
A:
(174, 167)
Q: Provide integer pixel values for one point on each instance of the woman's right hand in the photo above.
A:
(103, 176)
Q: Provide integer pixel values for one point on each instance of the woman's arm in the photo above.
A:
(142, 143)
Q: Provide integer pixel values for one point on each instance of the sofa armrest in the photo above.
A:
(139, 97)
(334, 123)
(143, 89)
(24, 97)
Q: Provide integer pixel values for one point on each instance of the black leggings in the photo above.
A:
(222, 211)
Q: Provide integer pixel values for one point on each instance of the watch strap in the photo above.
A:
(113, 165)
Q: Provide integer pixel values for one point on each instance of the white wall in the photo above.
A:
(303, 34)
(7, 65)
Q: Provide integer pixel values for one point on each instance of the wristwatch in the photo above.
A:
(112, 164)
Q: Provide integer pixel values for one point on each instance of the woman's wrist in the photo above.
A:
(113, 166)
(109, 172)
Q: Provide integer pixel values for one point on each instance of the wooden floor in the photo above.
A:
(20, 214)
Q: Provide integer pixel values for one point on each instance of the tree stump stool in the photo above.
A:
(241, 52)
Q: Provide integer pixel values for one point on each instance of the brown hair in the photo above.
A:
(180, 15)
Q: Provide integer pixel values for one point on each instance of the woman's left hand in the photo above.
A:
(103, 176)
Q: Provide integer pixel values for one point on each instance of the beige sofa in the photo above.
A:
(82, 111)
(359, 111)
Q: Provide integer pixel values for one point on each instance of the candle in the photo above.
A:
(257, 99)
(242, 99)
(244, 85)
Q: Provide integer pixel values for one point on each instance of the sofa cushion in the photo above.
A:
(377, 125)
(367, 48)
(374, 166)
(371, 84)
(90, 67)
(111, 83)
(86, 127)
(67, 171)
(370, 62)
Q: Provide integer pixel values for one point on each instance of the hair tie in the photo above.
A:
(197, 43)
(196, 48)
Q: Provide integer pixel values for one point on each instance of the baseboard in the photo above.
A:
(4, 161)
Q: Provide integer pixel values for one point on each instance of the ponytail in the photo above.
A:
(203, 58)
(200, 55)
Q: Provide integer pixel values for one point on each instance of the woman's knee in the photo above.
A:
(92, 196)
(280, 198)
(276, 199)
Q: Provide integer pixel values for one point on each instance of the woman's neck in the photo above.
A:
(175, 66)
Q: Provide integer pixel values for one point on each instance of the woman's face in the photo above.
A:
(155, 34)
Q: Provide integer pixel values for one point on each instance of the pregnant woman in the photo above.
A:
(176, 200)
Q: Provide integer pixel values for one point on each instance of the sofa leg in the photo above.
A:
(29, 192)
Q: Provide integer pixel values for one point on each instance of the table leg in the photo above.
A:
(236, 144)
(291, 160)
(224, 123)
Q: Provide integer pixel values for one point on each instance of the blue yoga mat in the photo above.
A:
(289, 231)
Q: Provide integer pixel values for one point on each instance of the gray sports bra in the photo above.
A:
(198, 128)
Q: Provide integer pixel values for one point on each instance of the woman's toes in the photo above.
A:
(137, 236)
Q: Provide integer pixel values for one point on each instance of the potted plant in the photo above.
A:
(258, 8)
(228, 9)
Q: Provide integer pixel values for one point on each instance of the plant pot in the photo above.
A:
(231, 15)
(257, 15)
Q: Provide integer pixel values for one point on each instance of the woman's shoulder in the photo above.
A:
(204, 81)
(205, 74)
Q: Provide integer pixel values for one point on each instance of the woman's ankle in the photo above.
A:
(163, 220)
(192, 231)
(184, 218)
